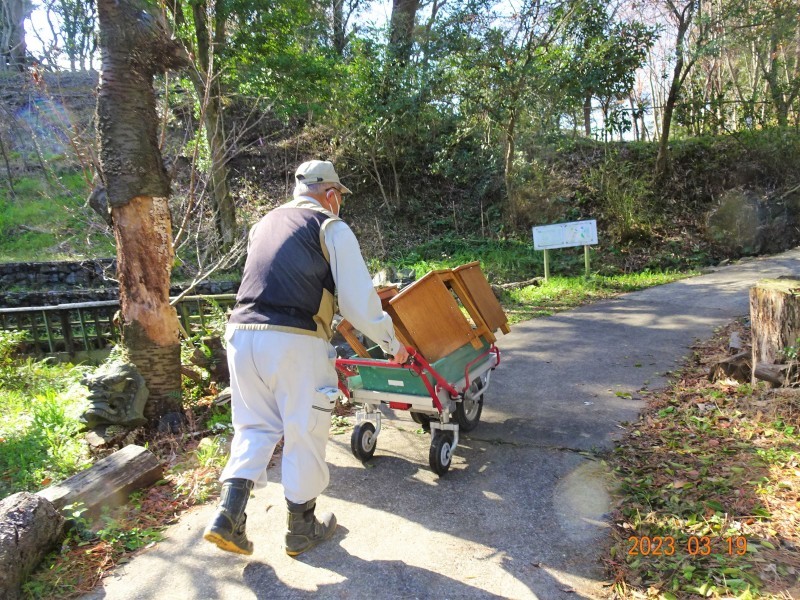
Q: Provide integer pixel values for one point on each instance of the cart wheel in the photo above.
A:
(363, 441)
(422, 420)
(441, 452)
(468, 411)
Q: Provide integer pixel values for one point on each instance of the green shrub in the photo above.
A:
(40, 425)
(501, 260)
(625, 200)
(220, 418)
(9, 342)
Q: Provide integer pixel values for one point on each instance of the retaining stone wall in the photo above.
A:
(52, 283)
(66, 90)
(52, 298)
(54, 275)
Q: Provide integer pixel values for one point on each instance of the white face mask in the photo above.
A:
(338, 204)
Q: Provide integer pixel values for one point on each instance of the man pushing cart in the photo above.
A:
(283, 380)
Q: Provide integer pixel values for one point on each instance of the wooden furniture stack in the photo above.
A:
(427, 314)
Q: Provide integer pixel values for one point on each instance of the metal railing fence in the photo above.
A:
(88, 330)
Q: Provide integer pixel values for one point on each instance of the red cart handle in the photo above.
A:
(418, 365)
(492, 349)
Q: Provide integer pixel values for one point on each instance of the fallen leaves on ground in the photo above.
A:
(708, 503)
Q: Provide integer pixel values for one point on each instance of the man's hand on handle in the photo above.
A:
(401, 357)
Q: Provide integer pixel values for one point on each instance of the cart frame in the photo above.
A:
(462, 398)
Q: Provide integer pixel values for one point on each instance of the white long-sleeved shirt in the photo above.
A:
(358, 301)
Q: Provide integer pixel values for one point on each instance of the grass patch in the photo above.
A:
(41, 445)
(562, 293)
(40, 406)
(96, 546)
(501, 260)
(512, 260)
(45, 437)
(50, 221)
(93, 547)
(707, 482)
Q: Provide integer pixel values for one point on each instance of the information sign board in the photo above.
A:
(565, 235)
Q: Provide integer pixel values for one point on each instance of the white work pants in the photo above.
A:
(282, 385)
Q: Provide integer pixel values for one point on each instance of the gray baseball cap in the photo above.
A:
(319, 171)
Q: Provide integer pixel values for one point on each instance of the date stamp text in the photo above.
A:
(694, 546)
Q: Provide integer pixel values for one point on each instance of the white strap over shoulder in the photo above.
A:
(322, 243)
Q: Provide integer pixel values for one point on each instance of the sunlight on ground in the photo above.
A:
(569, 580)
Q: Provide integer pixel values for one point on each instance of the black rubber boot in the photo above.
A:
(226, 529)
(304, 531)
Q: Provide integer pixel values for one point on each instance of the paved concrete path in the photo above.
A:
(521, 514)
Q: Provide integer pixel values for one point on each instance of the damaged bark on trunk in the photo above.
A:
(135, 45)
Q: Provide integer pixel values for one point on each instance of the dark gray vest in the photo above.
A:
(287, 282)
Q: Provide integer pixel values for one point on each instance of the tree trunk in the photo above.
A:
(12, 34)
(775, 92)
(221, 200)
(683, 16)
(135, 45)
(634, 119)
(643, 127)
(150, 331)
(209, 91)
(339, 36)
(508, 167)
(662, 159)
(401, 29)
(775, 322)
(587, 115)
(29, 528)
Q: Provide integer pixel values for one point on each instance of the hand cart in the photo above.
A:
(444, 397)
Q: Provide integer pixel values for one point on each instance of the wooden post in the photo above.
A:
(49, 331)
(66, 332)
(86, 345)
(546, 266)
(34, 332)
(586, 259)
(775, 324)
(98, 329)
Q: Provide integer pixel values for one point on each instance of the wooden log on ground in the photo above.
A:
(775, 321)
(190, 373)
(774, 374)
(500, 288)
(109, 481)
(733, 367)
(29, 528)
